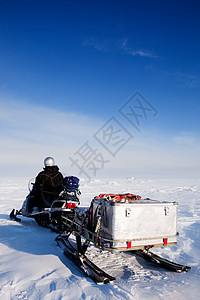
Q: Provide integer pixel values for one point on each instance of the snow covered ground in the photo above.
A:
(32, 266)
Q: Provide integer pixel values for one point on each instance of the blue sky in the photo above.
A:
(66, 67)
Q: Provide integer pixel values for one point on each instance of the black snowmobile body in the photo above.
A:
(48, 216)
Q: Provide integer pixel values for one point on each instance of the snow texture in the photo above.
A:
(32, 266)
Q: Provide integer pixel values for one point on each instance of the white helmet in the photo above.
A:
(49, 162)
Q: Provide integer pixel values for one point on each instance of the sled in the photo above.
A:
(120, 223)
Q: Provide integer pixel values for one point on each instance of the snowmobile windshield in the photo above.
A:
(31, 184)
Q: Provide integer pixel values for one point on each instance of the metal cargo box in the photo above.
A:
(136, 224)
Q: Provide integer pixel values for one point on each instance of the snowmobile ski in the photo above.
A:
(165, 263)
(13, 216)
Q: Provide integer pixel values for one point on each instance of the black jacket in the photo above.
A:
(48, 185)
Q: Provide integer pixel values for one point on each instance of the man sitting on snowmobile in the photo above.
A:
(48, 184)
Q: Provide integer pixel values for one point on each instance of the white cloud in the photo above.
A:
(187, 138)
(117, 45)
(140, 52)
(99, 45)
(161, 150)
(41, 124)
(187, 79)
(30, 132)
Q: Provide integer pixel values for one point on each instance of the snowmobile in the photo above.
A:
(114, 222)
(63, 205)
